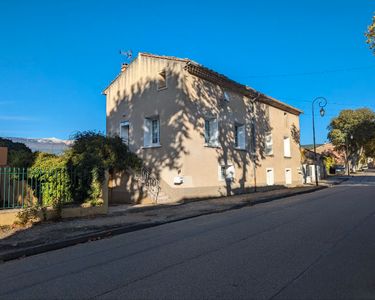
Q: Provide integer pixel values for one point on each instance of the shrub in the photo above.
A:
(78, 174)
(90, 156)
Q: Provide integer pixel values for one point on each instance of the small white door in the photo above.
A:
(288, 176)
(269, 176)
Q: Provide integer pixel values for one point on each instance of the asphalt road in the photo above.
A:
(319, 245)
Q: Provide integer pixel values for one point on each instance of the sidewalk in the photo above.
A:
(333, 180)
(48, 236)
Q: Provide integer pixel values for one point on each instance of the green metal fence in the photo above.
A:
(21, 187)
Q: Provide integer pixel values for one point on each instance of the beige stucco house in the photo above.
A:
(199, 133)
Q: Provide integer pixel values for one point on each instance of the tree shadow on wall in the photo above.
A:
(239, 110)
(182, 108)
(144, 100)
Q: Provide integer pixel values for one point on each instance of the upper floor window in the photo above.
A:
(162, 80)
(124, 132)
(266, 110)
(211, 132)
(287, 147)
(268, 149)
(286, 120)
(239, 136)
(151, 132)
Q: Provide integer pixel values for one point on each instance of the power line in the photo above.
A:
(347, 104)
(311, 72)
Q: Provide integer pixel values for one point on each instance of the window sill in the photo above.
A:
(162, 88)
(151, 146)
(289, 157)
(227, 180)
(240, 149)
(269, 155)
(211, 146)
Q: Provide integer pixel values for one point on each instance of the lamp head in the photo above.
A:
(322, 111)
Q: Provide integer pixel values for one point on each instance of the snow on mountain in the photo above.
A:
(50, 145)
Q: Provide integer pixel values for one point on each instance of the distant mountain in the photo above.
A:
(49, 145)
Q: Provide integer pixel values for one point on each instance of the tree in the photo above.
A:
(19, 155)
(370, 34)
(90, 156)
(351, 131)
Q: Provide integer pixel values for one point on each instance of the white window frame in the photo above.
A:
(211, 138)
(160, 88)
(239, 142)
(287, 147)
(266, 144)
(122, 125)
(148, 133)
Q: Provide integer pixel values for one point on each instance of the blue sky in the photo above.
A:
(57, 56)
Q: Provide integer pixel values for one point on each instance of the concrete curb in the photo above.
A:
(97, 235)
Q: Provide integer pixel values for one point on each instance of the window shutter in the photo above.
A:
(162, 80)
(229, 173)
(286, 146)
(147, 132)
(214, 132)
(241, 137)
(269, 143)
(158, 131)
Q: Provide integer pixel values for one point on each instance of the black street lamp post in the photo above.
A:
(322, 103)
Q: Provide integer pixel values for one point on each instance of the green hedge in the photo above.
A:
(78, 174)
(53, 179)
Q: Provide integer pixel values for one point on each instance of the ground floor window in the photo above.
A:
(124, 132)
(226, 172)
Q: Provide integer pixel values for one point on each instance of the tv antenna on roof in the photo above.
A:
(128, 54)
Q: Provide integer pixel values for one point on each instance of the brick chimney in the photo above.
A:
(124, 67)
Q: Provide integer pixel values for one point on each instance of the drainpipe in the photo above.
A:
(254, 155)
